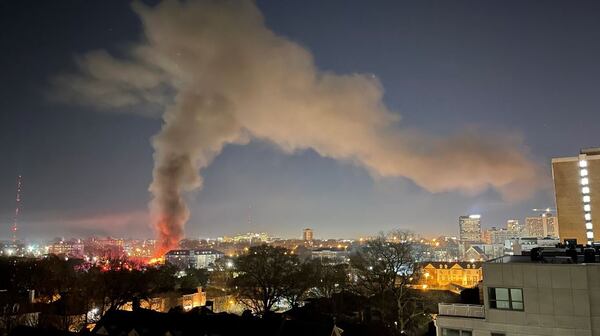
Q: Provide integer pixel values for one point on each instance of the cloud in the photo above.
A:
(221, 77)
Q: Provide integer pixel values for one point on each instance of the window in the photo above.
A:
(456, 332)
(506, 298)
(498, 334)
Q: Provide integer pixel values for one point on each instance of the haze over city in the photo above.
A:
(390, 115)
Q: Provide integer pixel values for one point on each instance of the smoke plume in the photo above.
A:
(222, 77)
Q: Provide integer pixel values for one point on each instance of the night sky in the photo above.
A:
(525, 67)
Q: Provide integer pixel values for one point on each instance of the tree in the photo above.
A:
(263, 277)
(384, 268)
(299, 280)
(193, 278)
(329, 279)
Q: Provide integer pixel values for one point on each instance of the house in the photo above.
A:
(446, 275)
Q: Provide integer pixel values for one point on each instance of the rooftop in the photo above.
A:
(591, 151)
(553, 255)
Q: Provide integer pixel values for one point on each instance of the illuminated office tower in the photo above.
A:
(470, 228)
(307, 234)
(544, 225)
(577, 193)
(514, 227)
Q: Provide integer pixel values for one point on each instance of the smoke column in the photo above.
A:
(220, 76)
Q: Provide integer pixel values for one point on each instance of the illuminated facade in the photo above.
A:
(470, 228)
(442, 275)
(72, 248)
(577, 193)
(201, 258)
(514, 226)
(307, 234)
(544, 225)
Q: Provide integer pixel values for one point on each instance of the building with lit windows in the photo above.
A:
(522, 296)
(515, 227)
(470, 228)
(332, 255)
(449, 275)
(307, 234)
(71, 248)
(544, 225)
(200, 258)
(577, 193)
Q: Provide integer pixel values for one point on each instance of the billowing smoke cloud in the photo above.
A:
(221, 77)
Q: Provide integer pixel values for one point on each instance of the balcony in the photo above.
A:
(461, 310)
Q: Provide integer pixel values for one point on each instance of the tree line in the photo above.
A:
(265, 279)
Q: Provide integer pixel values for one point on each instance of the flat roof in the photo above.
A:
(590, 151)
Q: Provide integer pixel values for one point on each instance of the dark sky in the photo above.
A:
(529, 67)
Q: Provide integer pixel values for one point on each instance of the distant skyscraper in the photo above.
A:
(513, 226)
(500, 235)
(534, 227)
(307, 234)
(577, 193)
(470, 228)
(544, 225)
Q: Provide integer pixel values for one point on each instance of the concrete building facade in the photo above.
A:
(577, 193)
(521, 297)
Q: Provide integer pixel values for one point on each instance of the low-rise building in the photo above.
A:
(448, 275)
(200, 258)
(330, 255)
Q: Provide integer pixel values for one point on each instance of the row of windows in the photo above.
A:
(458, 332)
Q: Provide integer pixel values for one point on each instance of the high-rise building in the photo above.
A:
(307, 234)
(534, 227)
(499, 235)
(470, 228)
(513, 226)
(577, 193)
(550, 224)
(544, 225)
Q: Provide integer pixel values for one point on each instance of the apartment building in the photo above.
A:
(547, 296)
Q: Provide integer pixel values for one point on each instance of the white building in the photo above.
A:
(331, 255)
(524, 297)
(201, 258)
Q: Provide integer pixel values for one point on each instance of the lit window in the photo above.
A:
(590, 235)
(588, 216)
(586, 207)
(589, 226)
(583, 163)
(585, 181)
(585, 190)
(583, 172)
(586, 198)
(506, 298)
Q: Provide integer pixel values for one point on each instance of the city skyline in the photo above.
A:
(87, 172)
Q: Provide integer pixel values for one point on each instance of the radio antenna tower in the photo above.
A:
(15, 226)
